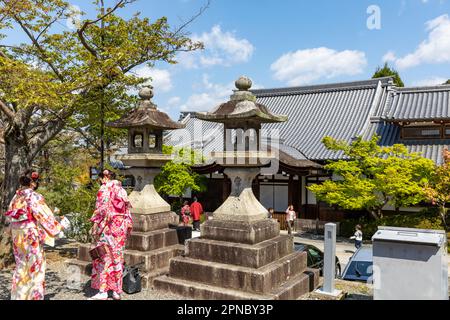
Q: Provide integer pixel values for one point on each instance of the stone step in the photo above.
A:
(200, 291)
(84, 267)
(262, 280)
(244, 255)
(152, 240)
(153, 260)
(149, 278)
(293, 289)
(152, 222)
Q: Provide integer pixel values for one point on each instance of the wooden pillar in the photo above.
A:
(291, 190)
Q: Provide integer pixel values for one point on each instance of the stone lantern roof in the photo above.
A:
(241, 107)
(146, 115)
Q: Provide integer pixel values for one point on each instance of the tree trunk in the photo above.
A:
(17, 162)
(443, 213)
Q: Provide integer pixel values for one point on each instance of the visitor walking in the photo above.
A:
(186, 213)
(112, 226)
(358, 237)
(290, 218)
(32, 225)
(196, 212)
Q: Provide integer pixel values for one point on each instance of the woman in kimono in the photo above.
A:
(112, 226)
(32, 224)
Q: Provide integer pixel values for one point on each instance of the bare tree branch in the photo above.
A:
(193, 18)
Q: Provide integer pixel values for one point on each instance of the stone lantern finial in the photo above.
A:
(243, 83)
(146, 93)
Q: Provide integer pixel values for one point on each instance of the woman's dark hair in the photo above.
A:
(108, 173)
(186, 203)
(29, 177)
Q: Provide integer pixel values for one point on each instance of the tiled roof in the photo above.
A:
(314, 112)
(390, 135)
(343, 111)
(420, 104)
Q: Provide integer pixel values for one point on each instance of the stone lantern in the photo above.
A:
(152, 243)
(241, 254)
(146, 125)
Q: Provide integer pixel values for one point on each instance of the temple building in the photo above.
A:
(418, 117)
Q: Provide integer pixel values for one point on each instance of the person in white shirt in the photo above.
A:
(358, 237)
(290, 218)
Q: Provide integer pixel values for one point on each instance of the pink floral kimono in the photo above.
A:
(32, 222)
(113, 230)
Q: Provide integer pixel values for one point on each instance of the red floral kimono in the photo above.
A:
(113, 230)
(32, 223)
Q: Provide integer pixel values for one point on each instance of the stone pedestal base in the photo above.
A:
(240, 232)
(240, 261)
(151, 244)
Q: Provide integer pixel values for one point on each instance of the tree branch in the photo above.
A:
(88, 23)
(38, 47)
(7, 111)
(193, 18)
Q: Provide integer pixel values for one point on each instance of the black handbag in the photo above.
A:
(132, 280)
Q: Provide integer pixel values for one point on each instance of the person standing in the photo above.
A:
(196, 212)
(358, 237)
(32, 225)
(271, 213)
(290, 218)
(186, 213)
(112, 226)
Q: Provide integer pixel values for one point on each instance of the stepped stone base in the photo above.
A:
(151, 245)
(290, 290)
(240, 261)
(240, 232)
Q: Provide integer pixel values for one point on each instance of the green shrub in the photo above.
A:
(427, 219)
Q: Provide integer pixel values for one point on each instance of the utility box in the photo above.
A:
(410, 264)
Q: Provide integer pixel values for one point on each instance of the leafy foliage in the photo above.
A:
(427, 219)
(387, 71)
(177, 177)
(374, 176)
(438, 190)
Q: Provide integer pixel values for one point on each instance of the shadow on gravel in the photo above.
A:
(5, 286)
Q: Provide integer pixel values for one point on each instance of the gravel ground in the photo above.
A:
(59, 280)
(59, 288)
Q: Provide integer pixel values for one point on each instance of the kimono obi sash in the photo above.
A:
(20, 209)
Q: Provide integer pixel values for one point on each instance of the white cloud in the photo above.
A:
(221, 48)
(435, 49)
(389, 57)
(309, 65)
(174, 101)
(213, 94)
(161, 79)
(210, 95)
(432, 81)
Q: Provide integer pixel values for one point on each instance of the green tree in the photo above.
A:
(53, 76)
(373, 176)
(438, 189)
(448, 81)
(177, 176)
(387, 71)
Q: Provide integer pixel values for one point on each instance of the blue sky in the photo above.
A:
(295, 42)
